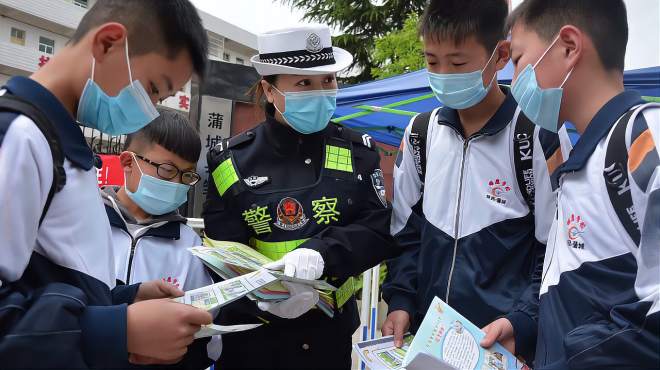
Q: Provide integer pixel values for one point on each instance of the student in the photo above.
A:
(600, 290)
(471, 189)
(149, 236)
(58, 308)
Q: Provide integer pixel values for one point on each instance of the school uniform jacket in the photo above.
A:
(58, 308)
(600, 287)
(470, 237)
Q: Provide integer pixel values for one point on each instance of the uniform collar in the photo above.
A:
(73, 141)
(170, 230)
(598, 128)
(284, 138)
(496, 123)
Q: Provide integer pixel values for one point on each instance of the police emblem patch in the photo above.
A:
(314, 43)
(290, 215)
(256, 181)
(378, 181)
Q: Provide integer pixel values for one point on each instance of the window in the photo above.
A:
(81, 3)
(240, 60)
(216, 44)
(225, 57)
(17, 36)
(46, 45)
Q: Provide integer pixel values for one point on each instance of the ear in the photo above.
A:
(268, 91)
(107, 38)
(571, 41)
(502, 54)
(126, 160)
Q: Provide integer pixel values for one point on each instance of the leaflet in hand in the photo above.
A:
(213, 329)
(212, 297)
(381, 353)
(448, 336)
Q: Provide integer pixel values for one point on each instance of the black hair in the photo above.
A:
(173, 132)
(162, 26)
(604, 21)
(457, 20)
(257, 91)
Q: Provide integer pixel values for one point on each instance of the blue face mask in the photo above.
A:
(460, 90)
(308, 111)
(541, 106)
(125, 113)
(156, 196)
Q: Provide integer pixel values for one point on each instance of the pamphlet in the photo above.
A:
(450, 337)
(213, 329)
(381, 353)
(212, 297)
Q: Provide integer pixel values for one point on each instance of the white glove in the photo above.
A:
(300, 263)
(303, 298)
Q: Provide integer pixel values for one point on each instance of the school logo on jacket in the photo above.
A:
(172, 281)
(290, 215)
(497, 189)
(575, 228)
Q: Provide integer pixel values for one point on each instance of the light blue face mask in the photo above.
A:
(125, 113)
(461, 90)
(308, 111)
(541, 106)
(156, 196)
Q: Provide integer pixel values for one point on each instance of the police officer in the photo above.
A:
(306, 193)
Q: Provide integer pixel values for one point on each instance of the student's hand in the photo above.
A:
(301, 263)
(501, 331)
(161, 329)
(156, 289)
(397, 324)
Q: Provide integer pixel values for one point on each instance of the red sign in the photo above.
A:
(111, 173)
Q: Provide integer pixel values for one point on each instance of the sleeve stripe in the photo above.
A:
(639, 149)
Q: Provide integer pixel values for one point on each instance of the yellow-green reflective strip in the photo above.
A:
(275, 250)
(337, 158)
(346, 291)
(224, 176)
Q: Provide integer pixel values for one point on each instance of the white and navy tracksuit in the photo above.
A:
(58, 308)
(470, 236)
(600, 288)
(157, 248)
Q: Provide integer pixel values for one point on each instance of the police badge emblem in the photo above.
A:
(290, 215)
(314, 43)
(378, 181)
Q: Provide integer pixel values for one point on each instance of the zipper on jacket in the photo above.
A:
(457, 215)
(130, 258)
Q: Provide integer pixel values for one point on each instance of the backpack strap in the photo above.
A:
(523, 157)
(15, 104)
(417, 140)
(616, 175)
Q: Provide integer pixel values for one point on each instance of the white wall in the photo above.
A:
(643, 33)
(31, 34)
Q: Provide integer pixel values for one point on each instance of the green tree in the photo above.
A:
(361, 23)
(399, 51)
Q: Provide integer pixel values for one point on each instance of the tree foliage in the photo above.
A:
(360, 23)
(399, 51)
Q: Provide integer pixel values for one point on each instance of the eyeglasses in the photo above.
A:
(169, 171)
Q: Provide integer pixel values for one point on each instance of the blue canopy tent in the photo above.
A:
(383, 108)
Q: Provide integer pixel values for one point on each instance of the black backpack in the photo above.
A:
(523, 146)
(14, 104)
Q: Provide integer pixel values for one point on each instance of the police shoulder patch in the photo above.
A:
(378, 182)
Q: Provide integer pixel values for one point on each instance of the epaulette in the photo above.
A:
(232, 142)
(356, 137)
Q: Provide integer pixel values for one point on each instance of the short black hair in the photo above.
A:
(162, 26)
(604, 21)
(173, 132)
(459, 19)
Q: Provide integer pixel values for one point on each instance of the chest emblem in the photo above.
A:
(256, 181)
(290, 215)
(575, 228)
(497, 189)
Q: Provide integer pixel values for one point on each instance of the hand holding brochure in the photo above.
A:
(450, 337)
